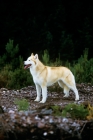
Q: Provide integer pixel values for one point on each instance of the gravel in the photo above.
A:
(38, 122)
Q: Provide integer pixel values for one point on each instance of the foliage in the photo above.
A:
(58, 62)
(12, 74)
(22, 104)
(67, 45)
(55, 87)
(19, 78)
(11, 50)
(83, 69)
(4, 76)
(76, 111)
(72, 110)
(11, 55)
(57, 111)
(14, 79)
(45, 57)
(90, 115)
(49, 37)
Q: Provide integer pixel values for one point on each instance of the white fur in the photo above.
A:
(44, 76)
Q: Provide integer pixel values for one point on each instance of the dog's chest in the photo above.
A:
(36, 78)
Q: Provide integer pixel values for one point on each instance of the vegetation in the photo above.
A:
(57, 110)
(76, 111)
(82, 68)
(45, 57)
(71, 110)
(90, 115)
(13, 75)
(22, 104)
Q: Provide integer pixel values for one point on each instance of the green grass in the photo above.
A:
(22, 104)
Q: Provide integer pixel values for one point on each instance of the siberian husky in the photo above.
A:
(44, 76)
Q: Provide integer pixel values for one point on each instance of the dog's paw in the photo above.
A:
(66, 95)
(37, 100)
(42, 101)
(76, 99)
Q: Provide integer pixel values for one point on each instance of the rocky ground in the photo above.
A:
(39, 123)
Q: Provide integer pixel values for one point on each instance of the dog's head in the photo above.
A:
(31, 61)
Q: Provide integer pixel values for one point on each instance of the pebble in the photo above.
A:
(43, 118)
(45, 133)
(11, 111)
(65, 120)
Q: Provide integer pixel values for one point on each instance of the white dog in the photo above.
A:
(44, 76)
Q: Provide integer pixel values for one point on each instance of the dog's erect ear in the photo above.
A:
(32, 54)
(36, 56)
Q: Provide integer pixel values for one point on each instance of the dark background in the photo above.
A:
(61, 27)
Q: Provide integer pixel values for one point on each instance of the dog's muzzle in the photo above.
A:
(26, 65)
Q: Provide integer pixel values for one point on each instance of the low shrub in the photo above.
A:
(19, 78)
(76, 111)
(4, 76)
(90, 115)
(71, 110)
(12, 74)
(22, 104)
(15, 79)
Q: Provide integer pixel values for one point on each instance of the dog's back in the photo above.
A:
(44, 76)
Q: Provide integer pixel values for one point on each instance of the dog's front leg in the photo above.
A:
(44, 94)
(38, 89)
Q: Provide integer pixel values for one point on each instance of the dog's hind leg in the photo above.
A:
(38, 89)
(70, 83)
(74, 89)
(76, 92)
(65, 88)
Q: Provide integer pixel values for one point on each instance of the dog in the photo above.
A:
(44, 76)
